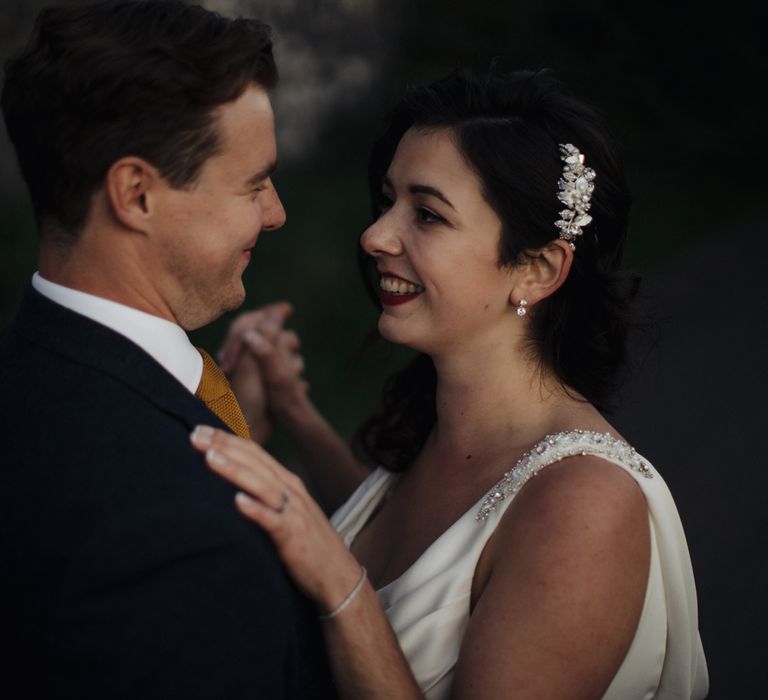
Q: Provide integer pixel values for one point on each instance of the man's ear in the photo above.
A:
(543, 274)
(130, 185)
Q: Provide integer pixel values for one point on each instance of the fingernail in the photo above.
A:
(254, 337)
(202, 435)
(215, 458)
(243, 499)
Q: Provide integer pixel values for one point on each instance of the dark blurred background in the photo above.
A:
(684, 86)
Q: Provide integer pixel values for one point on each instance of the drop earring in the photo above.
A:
(521, 310)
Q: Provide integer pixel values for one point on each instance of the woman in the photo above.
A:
(501, 211)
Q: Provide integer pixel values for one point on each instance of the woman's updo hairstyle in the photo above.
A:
(508, 128)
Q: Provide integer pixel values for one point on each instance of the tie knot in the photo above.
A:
(213, 383)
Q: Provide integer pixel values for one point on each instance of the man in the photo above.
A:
(145, 134)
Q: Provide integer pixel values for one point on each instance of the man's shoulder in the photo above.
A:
(54, 362)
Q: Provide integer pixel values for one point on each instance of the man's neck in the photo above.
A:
(117, 277)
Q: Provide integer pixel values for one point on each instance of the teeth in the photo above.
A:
(392, 285)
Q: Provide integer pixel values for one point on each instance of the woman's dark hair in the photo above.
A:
(508, 128)
(101, 81)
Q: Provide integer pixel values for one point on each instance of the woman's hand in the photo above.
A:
(364, 653)
(276, 500)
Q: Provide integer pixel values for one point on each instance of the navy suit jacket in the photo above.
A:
(125, 570)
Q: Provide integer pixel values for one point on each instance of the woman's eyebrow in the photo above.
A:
(422, 189)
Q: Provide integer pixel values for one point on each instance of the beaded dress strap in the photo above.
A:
(552, 449)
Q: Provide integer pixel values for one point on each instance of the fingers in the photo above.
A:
(229, 352)
(290, 341)
(246, 464)
(261, 514)
(258, 484)
(268, 490)
(278, 357)
(259, 346)
(275, 499)
(268, 319)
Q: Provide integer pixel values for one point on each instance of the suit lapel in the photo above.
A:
(83, 341)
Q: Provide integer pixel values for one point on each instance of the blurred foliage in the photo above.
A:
(683, 86)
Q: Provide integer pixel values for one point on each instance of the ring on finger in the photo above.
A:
(283, 503)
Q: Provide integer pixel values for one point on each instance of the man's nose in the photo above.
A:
(274, 212)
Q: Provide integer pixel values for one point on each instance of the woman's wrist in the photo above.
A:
(296, 413)
(340, 585)
(348, 599)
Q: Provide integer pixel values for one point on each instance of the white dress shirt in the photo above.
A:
(163, 340)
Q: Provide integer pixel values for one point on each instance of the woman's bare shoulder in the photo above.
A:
(568, 568)
(579, 503)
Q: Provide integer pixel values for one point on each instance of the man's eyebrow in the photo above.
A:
(261, 175)
(422, 189)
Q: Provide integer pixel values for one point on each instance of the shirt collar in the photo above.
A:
(164, 341)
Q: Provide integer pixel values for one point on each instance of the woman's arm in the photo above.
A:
(560, 587)
(562, 584)
(265, 368)
(365, 656)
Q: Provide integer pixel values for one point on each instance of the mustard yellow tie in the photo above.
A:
(217, 394)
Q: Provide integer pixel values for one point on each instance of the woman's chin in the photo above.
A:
(393, 331)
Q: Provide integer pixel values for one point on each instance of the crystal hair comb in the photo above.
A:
(575, 190)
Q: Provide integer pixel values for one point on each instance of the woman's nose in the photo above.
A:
(382, 237)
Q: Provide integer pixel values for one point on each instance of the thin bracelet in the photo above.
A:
(344, 603)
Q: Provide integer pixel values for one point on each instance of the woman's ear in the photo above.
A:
(129, 188)
(543, 274)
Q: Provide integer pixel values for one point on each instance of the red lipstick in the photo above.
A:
(394, 299)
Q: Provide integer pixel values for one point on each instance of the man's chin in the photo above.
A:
(207, 310)
(238, 296)
(232, 301)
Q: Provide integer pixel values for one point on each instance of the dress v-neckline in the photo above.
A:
(432, 546)
(552, 448)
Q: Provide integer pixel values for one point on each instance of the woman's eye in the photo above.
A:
(383, 202)
(428, 217)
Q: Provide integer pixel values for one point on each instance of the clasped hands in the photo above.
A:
(262, 361)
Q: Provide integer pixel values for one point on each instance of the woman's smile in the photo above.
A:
(397, 290)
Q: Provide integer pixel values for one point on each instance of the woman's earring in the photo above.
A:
(521, 310)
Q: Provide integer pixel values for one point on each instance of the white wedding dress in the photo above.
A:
(428, 606)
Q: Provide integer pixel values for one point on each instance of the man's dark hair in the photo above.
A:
(102, 81)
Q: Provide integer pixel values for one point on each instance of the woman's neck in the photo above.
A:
(497, 402)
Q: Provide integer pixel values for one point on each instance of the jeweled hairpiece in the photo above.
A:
(575, 191)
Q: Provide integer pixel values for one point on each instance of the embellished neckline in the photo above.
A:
(553, 448)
